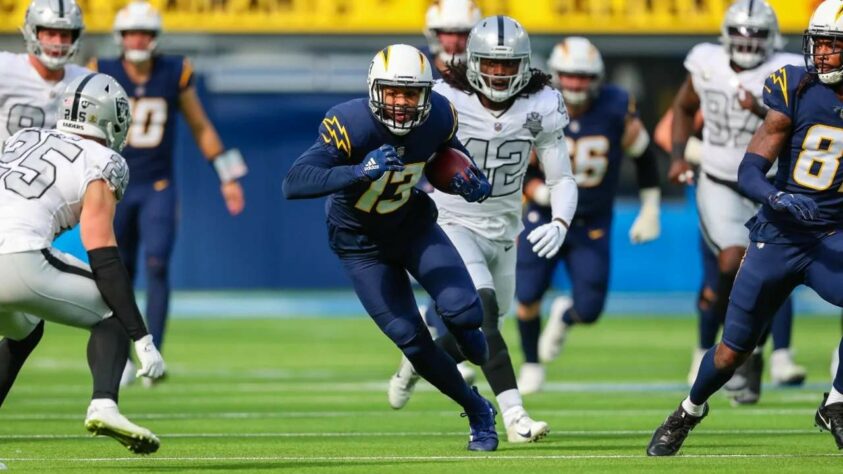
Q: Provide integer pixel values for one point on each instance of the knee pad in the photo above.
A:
(468, 317)
(588, 310)
(491, 312)
(408, 336)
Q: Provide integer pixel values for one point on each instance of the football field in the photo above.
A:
(308, 395)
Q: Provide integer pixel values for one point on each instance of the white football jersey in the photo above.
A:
(501, 146)
(26, 99)
(43, 178)
(727, 127)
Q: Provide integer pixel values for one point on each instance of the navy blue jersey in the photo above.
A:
(595, 144)
(151, 139)
(809, 162)
(391, 206)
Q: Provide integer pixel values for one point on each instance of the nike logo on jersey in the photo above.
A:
(371, 165)
(508, 248)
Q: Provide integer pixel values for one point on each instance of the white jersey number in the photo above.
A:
(590, 159)
(727, 123)
(27, 164)
(817, 164)
(24, 116)
(505, 166)
(148, 121)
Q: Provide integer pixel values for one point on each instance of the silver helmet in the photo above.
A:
(498, 38)
(96, 106)
(58, 14)
(750, 32)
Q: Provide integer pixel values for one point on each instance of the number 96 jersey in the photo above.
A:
(26, 99)
(501, 146)
(43, 178)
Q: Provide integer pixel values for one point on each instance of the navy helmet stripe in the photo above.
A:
(74, 111)
(751, 2)
(61, 8)
(500, 30)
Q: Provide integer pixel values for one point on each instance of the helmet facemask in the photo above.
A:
(833, 46)
(748, 46)
(53, 56)
(576, 98)
(137, 55)
(497, 88)
(399, 119)
(457, 57)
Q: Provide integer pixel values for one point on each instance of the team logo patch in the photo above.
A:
(534, 123)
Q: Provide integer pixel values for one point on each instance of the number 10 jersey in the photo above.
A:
(501, 144)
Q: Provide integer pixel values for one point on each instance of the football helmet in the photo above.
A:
(577, 56)
(750, 32)
(453, 16)
(400, 65)
(501, 38)
(96, 106)
(137, 16)
(58, 14)
(827, 23)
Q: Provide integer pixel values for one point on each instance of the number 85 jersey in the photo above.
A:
(501, 144)
(43, 177)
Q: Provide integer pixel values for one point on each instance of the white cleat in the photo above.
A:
(104, 419)
(553, 336)
(531, 378)
(835, 361)
(784, 371)
(128, 377)
(526, 430)
(696, 360)
(401, 384)
(467, 372)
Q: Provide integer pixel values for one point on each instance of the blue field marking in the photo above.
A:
(344, 304)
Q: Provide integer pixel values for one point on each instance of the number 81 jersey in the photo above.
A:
(501, 146)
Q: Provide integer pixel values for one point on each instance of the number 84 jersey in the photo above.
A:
(501, 144)
(43, 178)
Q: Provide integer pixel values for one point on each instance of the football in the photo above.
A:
(442, 168)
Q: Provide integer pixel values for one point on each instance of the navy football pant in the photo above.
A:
(381, 282)
(146, 218)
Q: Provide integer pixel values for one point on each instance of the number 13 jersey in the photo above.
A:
(501, 144)
(43, 178)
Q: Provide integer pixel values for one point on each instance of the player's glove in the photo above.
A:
(800, 206)
(647, 226)
(547, 239)
(151, 362)
(378, 162)
(475, 188)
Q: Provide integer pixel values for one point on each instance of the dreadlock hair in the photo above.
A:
(806, 81)
(456, 77)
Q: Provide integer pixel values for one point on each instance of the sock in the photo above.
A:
(838, 379)
(108, 351)
(709, 379)
(435, 366)
(708, 324)
(530, 331)
(782, 325)
(157, 298)
(692, 408)
(99, 403)
(12, 356)
(724, 288)
(511, 405)
(498, 370)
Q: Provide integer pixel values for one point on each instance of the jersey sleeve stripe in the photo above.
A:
(337, 134)
(456, 122)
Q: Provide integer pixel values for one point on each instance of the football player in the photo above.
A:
(367, 158)
(795, 236)
(723, 82)
(34, 82)
(447, 24)
(51, 181)
(505, 109)
(604, 128)
(158, 86)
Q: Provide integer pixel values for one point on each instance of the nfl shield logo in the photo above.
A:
(498, 126)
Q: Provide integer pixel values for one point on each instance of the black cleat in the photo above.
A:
(750, 373)
(830, 418)
(669, 437)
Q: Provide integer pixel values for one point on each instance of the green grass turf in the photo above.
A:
(309, 396)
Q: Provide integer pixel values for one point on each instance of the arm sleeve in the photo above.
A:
(647, 166)
(324, 168)
(752, 178)
(552, 152)
(115, 286)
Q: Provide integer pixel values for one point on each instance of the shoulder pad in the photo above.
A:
(700, 55)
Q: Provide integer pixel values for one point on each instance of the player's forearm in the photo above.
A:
(208, 141)
(682, 129)
(559, 180)
(752, 177)
(316, 174)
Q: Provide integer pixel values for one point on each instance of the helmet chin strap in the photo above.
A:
(137, 55)
(574, 98)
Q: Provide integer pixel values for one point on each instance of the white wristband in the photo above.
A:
(230, 165)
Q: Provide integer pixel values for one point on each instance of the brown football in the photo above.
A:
(442, 168)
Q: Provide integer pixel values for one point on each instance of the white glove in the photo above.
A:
(646, 226)
(151, 362)
(547, 239)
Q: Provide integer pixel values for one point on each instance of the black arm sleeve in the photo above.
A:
(116, 288)
(647, 166)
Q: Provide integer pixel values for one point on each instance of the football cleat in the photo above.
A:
(749, 373)
(526, 430)
(553, 336)
(104, 419)
(401, 384)
(696, 360)
(483, 436)
(669, 437)
(531, 378)
(784, 371)
(468, 373)
(830, 418)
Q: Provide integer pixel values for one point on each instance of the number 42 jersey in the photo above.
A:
(43, 178)
(501, 144)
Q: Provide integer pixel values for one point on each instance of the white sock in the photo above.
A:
(834, 397)
(696, 410)
(507, 400)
